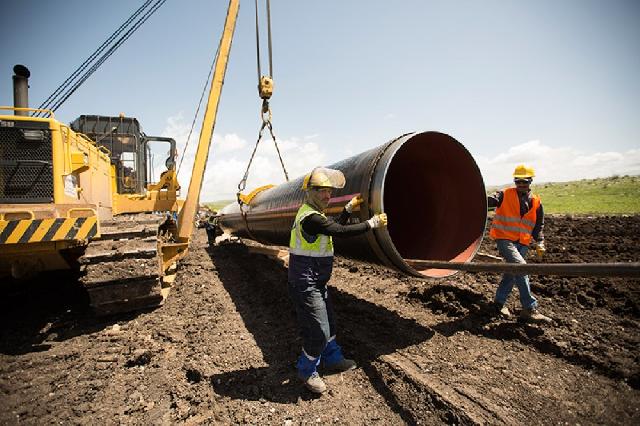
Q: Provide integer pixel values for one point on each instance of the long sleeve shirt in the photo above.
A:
(526, 201)
(315, 224)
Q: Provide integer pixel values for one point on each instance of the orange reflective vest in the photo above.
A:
(508, 224)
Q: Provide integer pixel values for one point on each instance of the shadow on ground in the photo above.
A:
(37, 313)
(258, 288)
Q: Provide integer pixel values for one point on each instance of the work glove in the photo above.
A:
(540, 249)
(378, 221)
(353, 203)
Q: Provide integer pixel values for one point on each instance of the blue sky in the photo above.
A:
(554, 84)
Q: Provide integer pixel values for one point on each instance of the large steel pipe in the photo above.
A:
(428, 184)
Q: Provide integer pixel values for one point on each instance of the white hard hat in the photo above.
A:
(322, 177)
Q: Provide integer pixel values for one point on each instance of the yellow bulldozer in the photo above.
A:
(91, 195)
(84, 195)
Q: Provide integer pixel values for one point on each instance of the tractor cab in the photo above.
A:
(139, 160)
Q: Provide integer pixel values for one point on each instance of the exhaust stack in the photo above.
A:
(428, 184)
(21, 88)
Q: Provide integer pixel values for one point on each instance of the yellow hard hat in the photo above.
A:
(322, 177)
(523, 171)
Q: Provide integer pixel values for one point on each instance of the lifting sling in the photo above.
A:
(265, 90)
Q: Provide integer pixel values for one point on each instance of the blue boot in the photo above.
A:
(333, 359)
(306, 366)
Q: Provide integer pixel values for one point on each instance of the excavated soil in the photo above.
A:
(222, 348)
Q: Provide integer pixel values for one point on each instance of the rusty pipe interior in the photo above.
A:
(428, 184)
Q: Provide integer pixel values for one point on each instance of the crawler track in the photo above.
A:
(122, 269)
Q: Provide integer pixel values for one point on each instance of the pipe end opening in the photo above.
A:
(436, 201)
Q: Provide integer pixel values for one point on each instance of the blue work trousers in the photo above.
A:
(514, 252)
(308, 277)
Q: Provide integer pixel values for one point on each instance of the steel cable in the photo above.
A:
(265, 110)
(87, 61)
(195, 117)
(108, 53)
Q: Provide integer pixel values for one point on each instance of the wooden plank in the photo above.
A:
(488, 257)
(268, 251)
(279, 255)
(631, 269)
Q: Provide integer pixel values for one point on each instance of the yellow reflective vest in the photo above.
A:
(321, 246)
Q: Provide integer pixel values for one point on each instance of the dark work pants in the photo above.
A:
(308, 277)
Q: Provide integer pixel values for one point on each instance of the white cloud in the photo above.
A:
(178, 129)
(229, 155)
(224, 172)
(228, 143)
(558, 164)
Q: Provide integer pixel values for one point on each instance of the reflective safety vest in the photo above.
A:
(508, 224)
(303, 244)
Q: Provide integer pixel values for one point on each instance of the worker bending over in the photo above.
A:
(310, 266)
(518, 219)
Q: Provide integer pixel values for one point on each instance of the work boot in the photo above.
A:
(314, 383)
(333, 360)
(532, 315)
(501, 310)
(341, 366)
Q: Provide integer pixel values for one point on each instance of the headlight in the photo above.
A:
(32, 135)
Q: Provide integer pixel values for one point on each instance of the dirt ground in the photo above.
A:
(222, 348)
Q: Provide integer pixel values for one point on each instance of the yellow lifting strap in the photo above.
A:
(246, 199)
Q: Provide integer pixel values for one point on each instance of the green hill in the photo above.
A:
(218, 205)
(613, 195)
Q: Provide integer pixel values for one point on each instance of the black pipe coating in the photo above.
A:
(428, 184)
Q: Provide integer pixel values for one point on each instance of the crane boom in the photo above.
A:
(190, 207)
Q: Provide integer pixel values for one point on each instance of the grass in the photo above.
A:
(218, 205)
(613, 195)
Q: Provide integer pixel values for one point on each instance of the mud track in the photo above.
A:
(221, 349)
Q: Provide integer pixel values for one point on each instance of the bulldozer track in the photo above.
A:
(122, 269)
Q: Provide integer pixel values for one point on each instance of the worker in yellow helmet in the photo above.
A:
(518, 222)
(310, 266)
